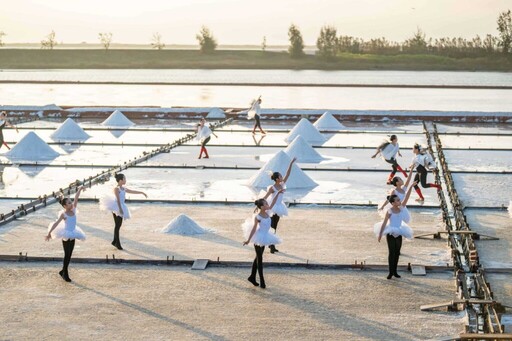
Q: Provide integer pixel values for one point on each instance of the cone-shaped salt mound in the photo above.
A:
(300, 149)
(328, 122)
(183, 225)
(216, 113)
(308, 131)
(69, 131)
(279, 163)
(117, 119)
(31, 147)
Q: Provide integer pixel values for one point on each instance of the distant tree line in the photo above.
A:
(330, 44)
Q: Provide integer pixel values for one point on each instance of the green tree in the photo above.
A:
(417, 43)
(327, 42)
(2, 35)
(105, 40)
(49, 42)
(264, 44)
(296, 48)
(505, 31)
(156, 41)
(207, 42)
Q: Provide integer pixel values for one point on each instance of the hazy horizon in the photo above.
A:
(235, 22)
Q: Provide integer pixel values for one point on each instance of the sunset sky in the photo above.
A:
(244, 22)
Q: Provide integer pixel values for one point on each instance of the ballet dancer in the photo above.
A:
(395, 227)
(400, 190)
(65, 228)
(257, 231)
(422, 161)
(279, 209)
(203, 135)
(389, 151)
(255, 112)
(116, 204)
(3, 123)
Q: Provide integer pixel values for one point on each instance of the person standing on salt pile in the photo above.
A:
(65, 228)
(257, 231)
(4, 122)
(400, 190)
(203, 135)
(255, 112)
(395, 227)
(280, 209)
(422, 162)
(116, 204)
(389, 150)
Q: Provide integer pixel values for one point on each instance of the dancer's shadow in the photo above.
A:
(154, 314)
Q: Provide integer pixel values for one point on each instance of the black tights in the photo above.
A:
(394, 246)
(68, 246)
(258, 264)
(274, 220)
(421, 177)
(118, 221)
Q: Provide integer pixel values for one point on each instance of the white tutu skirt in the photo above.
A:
(280, 209)
(383, 212)
(60, 232)
(403, 230)
(109, 203)
(260, 237)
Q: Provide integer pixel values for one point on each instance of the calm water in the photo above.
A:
(266, 76)
(200, 94)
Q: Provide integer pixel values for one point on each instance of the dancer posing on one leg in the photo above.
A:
(422, 162)
(203, 135)
(394, 227)
(389, 151)
(279, 209)
(65, 228)
(257, 232)
(255, 112)
(118, 207)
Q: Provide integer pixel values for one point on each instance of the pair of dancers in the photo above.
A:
(394, 210)
(257, 228)
(65, 227)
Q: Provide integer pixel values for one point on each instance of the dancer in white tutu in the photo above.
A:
(257, 231)
(116, 204)
(255, 112)
(510, 208)
(395, 227)
(279, 209)
(65, 228)
(400, 190)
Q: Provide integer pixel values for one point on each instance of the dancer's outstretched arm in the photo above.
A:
(289, 170)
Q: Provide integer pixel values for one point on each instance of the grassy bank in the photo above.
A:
(235, 59)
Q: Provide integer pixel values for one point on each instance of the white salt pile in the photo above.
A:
(185, 226)
(117, 119)
(279, 163)
(301, 150)
(31, 148)
(308, 131)
(216, 113)
(328, 122)
(70, 131)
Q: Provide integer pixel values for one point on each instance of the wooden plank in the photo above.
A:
(200, 264)
(427, 307)
(418, 270)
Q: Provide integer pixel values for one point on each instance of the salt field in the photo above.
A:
(329, 274)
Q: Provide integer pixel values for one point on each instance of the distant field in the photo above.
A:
(234, 59)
